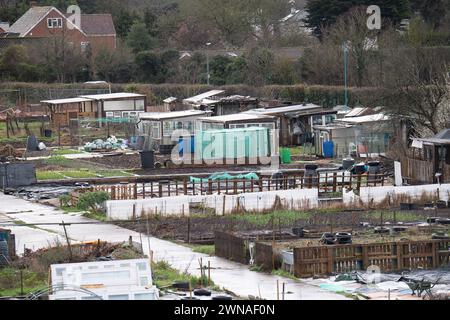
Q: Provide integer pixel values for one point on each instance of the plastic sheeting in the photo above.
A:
(13, 175)
(226, 176)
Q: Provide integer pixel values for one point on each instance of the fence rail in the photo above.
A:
(325, 183)
(393, 256)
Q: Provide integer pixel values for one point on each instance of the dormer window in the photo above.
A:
(53, 23)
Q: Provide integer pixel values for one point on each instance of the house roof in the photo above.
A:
(97, 24)
(113, 96)
(239, 117)
(30, 18)
(200, 97)
(156, 116)
(66, 101)
(4, 26)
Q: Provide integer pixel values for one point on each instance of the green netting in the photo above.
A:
(225, 176)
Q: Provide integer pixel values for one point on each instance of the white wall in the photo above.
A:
(294, 199)
(379, 194)
(259, 201)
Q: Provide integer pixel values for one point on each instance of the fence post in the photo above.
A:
(358, 183)
(334, 182)
(185, 186)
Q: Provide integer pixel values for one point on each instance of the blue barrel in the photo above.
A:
(184, 144)
(328, 149)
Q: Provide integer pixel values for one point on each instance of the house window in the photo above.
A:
(54, 23)
(85, 46)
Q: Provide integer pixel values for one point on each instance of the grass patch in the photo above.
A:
(261, 220)
(283, 273)
(79, 174)
(403, 216)
(48, 175)
(62, 152)
(113, 173)
(57, 161)
(164, 276)
(95, 216)
(10, 282)
(205, 249)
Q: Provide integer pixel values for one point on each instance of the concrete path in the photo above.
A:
(226, 274)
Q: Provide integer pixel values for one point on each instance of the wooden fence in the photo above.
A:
(231, 247)
(326, 183)
(418, 170)
(392, 256)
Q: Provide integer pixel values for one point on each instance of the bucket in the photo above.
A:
(147, 159)
(48, 133)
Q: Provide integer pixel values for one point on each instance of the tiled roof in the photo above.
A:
(28, 20)
(97, 24)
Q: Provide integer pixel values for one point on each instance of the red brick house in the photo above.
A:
(96, 30)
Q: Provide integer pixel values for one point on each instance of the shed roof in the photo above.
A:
(156, 116)
(442, 137)
(66, 101)
(200, 97)
(366, 119)
(239, 117)
(113, 96)
(302, 109)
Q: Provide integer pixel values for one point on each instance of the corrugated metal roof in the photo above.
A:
(238, 117)
(200, 97)
(170, 100)
(111, 96)
(172, 115)
(369, 118)
(357, 112)
(290, 109)
(65, 101)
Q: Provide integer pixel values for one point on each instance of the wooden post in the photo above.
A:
(223, 205)
(143, 190)
(68, 242)
(160, 191)
(278, 289)
(189, 229)
(135, 191)
(209, 186)
(334, 182)
(209, 273)
(185, 186)
(358, 184)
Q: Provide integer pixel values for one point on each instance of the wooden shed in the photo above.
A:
(428, 160)
(63, 110)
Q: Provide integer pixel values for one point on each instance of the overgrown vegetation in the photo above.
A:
(164, 276)
(92, 201)
(10, 282)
